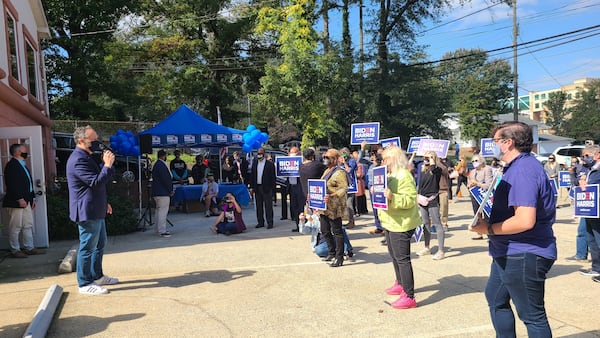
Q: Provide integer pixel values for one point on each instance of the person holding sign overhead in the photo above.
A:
(521, 239)
(400, 221)
(335, 200)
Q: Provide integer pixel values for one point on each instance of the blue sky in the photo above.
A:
(545, 66)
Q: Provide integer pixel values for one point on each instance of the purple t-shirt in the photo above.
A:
(525, 184)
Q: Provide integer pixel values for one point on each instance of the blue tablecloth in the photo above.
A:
(194, 192)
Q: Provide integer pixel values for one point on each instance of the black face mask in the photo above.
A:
(24, 155)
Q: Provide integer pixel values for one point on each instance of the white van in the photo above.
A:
(563, 154)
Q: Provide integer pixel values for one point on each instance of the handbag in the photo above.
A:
(424, 201)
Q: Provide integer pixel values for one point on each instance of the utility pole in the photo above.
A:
(249, 110)
(515, 72)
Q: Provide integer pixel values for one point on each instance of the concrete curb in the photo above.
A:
(69, 262)
(43, 316)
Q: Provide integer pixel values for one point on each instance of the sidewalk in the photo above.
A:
(268, 283)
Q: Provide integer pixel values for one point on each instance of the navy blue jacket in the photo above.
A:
(87, 187)
(162, 184)
(17, 184)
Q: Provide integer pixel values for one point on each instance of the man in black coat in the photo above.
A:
(19, 203)
(262, 183)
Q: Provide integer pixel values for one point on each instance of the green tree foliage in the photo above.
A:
(474, 86)
(585, 117)
(75, 54)
(556, 111)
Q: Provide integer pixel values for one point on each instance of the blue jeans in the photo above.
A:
(581, 240)
(522, 278)
(322, 249)
(92, 239)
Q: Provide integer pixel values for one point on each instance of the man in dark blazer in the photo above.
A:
(19, 203)
(242, 164)
(162, 190)
(88, 206)
(262, 183)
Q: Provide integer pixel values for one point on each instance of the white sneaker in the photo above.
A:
(423, 252)
(106, 280)
(93, 289)
(438, 256)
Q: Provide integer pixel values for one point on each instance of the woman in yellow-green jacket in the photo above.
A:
(399, 221)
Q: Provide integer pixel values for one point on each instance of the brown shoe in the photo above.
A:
(35, 251)
(19, 254)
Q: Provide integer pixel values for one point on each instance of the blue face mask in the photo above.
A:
(588, 161)
(498, 151)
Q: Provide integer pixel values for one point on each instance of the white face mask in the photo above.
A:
(498, 153)
(326, 162)
(476, 165)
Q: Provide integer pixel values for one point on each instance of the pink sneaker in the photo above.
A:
(396, 289)
(404, 302)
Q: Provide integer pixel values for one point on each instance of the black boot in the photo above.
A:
(337, 262)
(328, 258)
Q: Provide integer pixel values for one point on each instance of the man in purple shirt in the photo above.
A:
(522, 242)
(88, 206)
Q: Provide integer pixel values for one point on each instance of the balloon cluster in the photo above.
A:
(124, 143)
(253, 139)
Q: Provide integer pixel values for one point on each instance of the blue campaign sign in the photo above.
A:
(368, 132)
(440, 147)
(352, 185)
(316, 194)
(572, 193)
(564, 179)
(554, 186)
(388, 142)
(586, 201)
(288, 166)
(478, 194)
(487, 146)
(413, 144)
(379, 185)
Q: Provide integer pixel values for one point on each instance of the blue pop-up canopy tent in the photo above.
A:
(186, 128)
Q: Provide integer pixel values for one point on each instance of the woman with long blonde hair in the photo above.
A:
(429, 202)
(399, 222)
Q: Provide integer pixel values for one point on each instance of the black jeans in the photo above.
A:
(398, 244)
(332, 231)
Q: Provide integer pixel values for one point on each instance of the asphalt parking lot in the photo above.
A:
(268, 283)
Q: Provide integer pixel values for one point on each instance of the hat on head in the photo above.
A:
(209, 174)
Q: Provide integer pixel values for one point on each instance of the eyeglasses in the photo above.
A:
(498, 139)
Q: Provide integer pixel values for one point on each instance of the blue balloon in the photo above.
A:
(247, 148)
(129, 133)
(264, 137)
(256, 145)
(250, 128)
(113, 138)
(122, 138)
(120, 132)
(254, 134)
(246, 137)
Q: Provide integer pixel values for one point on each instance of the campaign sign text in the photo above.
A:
(379, 185)
(478, 194)
(440, 147)
(487, 147)
(586, 201)
(172, 139)
(564, 179)
(316, 194)
(288, 166)
(388, 142)
(368, 132)
(413, 144)
(189, 139)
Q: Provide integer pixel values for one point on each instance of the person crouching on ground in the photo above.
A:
(309, 224)
(400, 221)
(230, 220)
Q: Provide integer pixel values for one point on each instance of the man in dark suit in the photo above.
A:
(294, 189)
(262, 182)
(162, 190)
(88, 206)
(19, 203)
(242, 166)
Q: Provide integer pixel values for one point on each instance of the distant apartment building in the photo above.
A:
(23, 96)
(537, 99)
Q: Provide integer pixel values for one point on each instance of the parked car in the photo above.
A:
(563, 154)
(543, 158)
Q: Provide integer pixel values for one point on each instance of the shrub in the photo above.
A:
(60, 227)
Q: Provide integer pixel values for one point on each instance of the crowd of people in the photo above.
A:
(519, 227)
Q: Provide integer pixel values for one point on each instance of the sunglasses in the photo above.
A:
(475, 161)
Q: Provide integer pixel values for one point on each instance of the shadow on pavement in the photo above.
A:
(189, 278)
